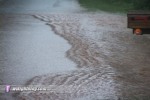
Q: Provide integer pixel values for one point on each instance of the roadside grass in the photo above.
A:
(107, 5)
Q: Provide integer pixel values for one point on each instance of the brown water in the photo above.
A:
(108, 55)
(112, 63)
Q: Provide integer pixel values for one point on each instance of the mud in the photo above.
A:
(113, 64)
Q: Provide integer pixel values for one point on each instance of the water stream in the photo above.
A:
(30, 48)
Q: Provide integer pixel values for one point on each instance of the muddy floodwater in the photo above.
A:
(76, 55)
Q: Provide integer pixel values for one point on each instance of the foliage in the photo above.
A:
(142, 4)
(116, 5)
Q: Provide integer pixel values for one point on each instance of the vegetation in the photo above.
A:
(116, 5)
(142, 4)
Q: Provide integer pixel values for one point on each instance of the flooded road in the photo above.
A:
(108, 62)
(27, 43)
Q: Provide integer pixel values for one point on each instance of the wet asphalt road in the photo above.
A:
(28, 47)
(39, 6)
(24, 47)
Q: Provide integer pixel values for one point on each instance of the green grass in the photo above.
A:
(106, 5)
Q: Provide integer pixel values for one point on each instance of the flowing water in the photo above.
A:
(105, 60)
(27, 44)
(30, 48)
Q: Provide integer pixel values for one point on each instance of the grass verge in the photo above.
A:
(107, 5)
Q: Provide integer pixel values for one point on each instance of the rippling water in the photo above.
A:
(112, 63)
(19, 49)
(28, 47)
